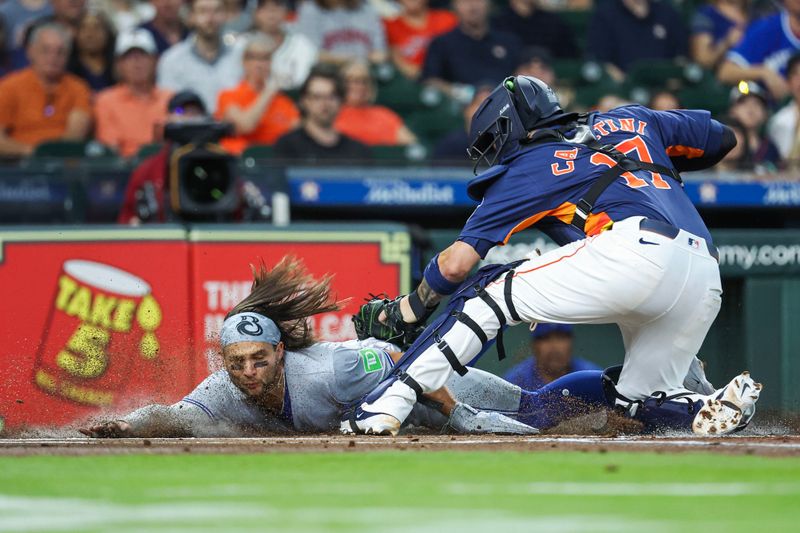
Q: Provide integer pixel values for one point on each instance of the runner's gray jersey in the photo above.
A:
(327, 378)
(322, 382)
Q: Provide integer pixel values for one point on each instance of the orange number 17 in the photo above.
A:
(634, 144)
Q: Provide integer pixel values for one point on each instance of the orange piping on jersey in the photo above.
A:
(517, 273)
(688, 151)
(596, 223)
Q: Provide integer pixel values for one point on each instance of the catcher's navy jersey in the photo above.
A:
(540, 186)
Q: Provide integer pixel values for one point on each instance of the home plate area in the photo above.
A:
(768, 445)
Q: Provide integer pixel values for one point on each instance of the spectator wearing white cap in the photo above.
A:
(129, 113)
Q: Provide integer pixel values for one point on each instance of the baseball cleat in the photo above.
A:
(362, 422)
(730, 410)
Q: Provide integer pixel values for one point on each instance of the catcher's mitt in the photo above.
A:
(394, 330)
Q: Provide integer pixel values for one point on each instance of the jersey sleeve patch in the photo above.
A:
(356, 372)
(371, 360)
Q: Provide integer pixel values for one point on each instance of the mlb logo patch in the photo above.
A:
(694, 243)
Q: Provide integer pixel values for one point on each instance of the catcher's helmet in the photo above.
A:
(515, 107)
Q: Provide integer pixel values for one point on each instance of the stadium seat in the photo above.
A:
(256, 153)
(400, 95)
(146, 150)
(432, 124)
(395, 154)
(72, 150)
(655, 74)
(569, 71)
(709, 95)
(414, 153)
(588, 95)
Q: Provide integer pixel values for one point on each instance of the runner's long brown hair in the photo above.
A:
(288, 294)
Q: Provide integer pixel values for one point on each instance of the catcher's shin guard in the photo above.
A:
(452, 348)
(453, 341)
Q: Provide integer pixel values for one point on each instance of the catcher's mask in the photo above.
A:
(515, 107)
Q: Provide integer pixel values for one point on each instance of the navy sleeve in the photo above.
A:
(691, 138)
(686, 132)
(488, 226)
(482, 246)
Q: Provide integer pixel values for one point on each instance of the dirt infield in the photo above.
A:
(781, 446)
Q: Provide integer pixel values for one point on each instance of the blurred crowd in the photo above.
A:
(338, 79)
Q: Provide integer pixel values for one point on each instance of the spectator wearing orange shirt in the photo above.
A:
(259, 113)
(128, 113)
(43, 102)
(409, 34)
(364, 121)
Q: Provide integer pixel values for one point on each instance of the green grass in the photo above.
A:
(401, 491)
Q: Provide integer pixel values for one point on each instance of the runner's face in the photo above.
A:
(254, 367)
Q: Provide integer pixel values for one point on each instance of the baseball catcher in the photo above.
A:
(634, 252)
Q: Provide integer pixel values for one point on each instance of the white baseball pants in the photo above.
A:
(664, 293)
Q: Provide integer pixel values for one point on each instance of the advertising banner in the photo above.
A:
(106, 320)
(91, 320)
(361, 261)
(379, 187)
